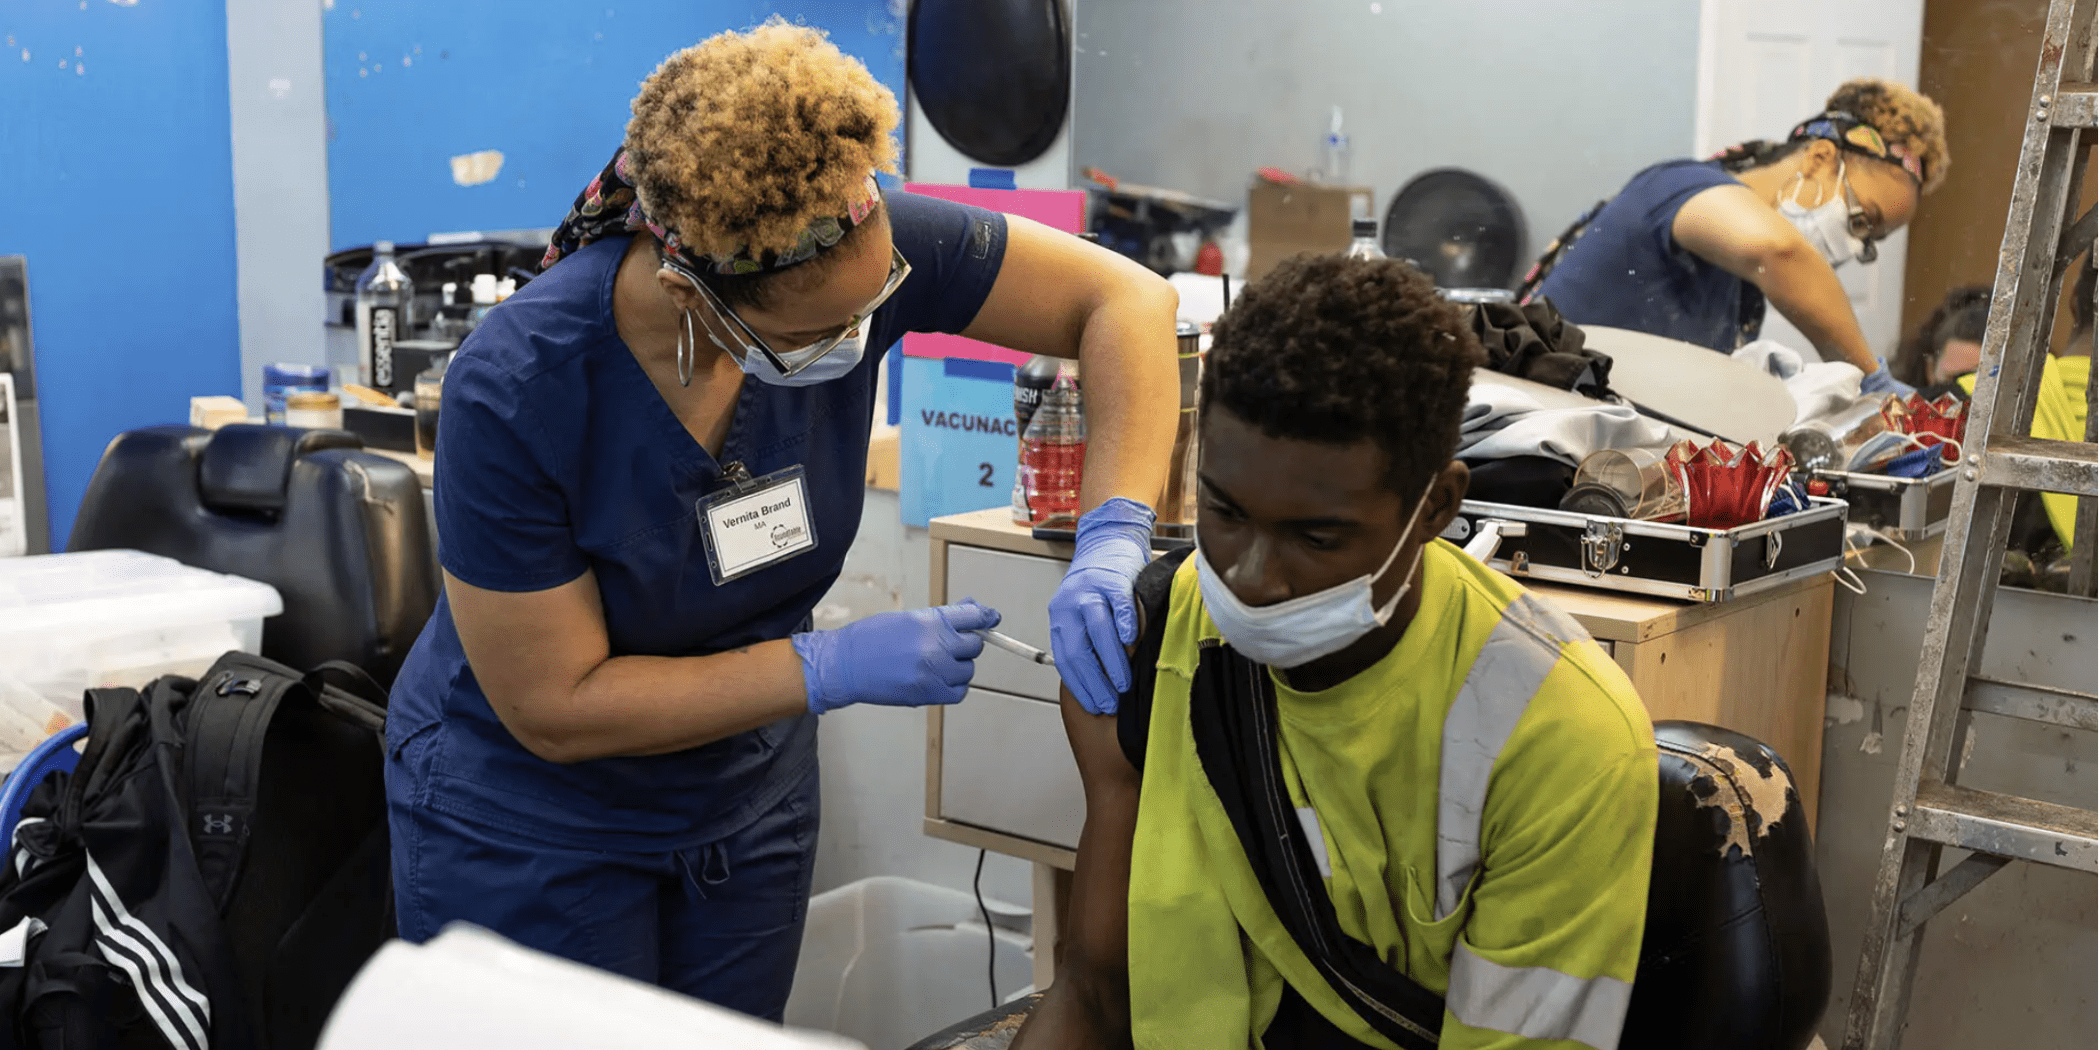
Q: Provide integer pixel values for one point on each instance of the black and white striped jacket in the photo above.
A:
(178, 891)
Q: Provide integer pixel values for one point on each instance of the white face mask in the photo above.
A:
(1828, 226)
(836, 362)
(1296, 632)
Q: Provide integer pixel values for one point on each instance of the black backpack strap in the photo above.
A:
(226, 722)
(1154, 591)
(1232, 715)
(112, 715)
(348, 677)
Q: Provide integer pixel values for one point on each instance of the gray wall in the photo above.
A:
(1557, 100)
(280, 181)
(2012, 963)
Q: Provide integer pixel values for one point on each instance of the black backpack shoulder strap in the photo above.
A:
(113, 715)
(359, 683)
(1154, 591)
(1232, 709)
(225, 725)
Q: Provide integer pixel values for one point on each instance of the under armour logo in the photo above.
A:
(218, 823)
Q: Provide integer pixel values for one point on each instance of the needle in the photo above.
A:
(1019, 648)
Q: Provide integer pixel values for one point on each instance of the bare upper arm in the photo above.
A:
(1732, 228)
(1049, 284)
(530, 650)
(1097, 926)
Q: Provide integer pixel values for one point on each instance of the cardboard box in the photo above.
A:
(216, 411)
(1284, 219)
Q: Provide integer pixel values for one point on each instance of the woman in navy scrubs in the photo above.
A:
(650, 468)
(1693, 250)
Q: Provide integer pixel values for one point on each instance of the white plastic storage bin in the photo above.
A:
(889, 961)
(73, 622)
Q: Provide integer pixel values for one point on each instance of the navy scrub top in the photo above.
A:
(1627, 270)
(558, 455)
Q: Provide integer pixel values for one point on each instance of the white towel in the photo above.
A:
(1491, 406)
(1565, 434)
(1819, 388)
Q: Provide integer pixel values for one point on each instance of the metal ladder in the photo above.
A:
(1930, 812)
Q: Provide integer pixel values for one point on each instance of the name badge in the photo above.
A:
(755, 522)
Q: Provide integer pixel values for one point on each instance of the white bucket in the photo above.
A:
(889, 961)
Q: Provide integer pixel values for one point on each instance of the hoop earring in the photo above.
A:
(1793, 192)
(685, 349)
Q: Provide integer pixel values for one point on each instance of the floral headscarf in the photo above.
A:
(1857, 136)
(609, 207)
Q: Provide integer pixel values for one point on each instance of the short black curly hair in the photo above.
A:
(1335, 350)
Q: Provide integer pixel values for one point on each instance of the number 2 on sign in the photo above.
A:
(984, 480)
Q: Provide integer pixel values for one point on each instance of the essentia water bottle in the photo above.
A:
(1363, 239)
(1053, 452)
(386, 303)
(1031, 382)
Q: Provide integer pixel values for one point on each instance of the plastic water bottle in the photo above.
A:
(1363, 239)
(386, 304)
(1053, 453)
(1334, 151)
(1031, 382)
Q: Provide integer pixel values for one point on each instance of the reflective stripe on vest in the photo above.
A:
(1536, 1002)
(1520, 652)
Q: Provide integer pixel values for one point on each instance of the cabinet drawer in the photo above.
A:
(1006, 767)
(1019, 586)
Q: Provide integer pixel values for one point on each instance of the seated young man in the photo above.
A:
(1353, 737)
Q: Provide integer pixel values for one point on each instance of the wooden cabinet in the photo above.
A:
(999, 773)
(1757, 665)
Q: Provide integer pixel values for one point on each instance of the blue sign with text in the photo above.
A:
(958, 442)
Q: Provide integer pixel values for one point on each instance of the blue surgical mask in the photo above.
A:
(1296, 632)
(837, 361)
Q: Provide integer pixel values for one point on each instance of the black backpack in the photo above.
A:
(211, 875)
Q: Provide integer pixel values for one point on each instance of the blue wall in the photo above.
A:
(116, 180)
(412, 83)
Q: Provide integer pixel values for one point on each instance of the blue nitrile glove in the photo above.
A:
(1918, 463)
(1881, 382)
(1093, 616)
(1789, 499)
(899, 659)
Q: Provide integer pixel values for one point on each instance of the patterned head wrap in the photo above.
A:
(1857, 136)
(609, 207)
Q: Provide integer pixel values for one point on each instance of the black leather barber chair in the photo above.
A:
(1736, 953)
(340, 532)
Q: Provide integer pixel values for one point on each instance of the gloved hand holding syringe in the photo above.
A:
(1015, 646)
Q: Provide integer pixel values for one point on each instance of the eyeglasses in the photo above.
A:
(795, 361)
(1862, 225)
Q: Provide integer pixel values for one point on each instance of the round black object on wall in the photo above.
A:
(993, 76)
(1464, 230)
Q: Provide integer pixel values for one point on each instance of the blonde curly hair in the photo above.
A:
(1904, 118)
(742, 141)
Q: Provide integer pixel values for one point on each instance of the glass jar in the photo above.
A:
(313, 410)
(280, 381)
(430, 390)
(1637, 483)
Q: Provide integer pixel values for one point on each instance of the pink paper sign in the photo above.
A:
(1058, 209)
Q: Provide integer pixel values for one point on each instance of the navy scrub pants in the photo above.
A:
(721, 922)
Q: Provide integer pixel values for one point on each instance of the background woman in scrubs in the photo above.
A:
(1692, 250)
(650, 469)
